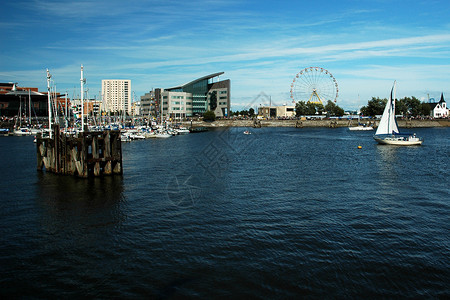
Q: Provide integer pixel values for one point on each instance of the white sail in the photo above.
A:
(388, 133)
(388, 124)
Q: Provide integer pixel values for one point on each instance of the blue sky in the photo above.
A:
(260, 45)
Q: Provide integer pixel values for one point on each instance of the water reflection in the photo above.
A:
(387, 160)
(388, 154)
(84, 203)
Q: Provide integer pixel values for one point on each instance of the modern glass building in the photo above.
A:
(196, 97)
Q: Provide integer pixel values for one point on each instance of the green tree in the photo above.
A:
(374, 107)
(319, 108)
(310, 108)
(251, 112)
(408, 106)
(425, 109)
(401, 107)
(333, 110)
(209, 116)
(413, 106)
(300, 108)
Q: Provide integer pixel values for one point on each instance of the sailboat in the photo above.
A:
(360, 126)
(387, 132)
(21, 131)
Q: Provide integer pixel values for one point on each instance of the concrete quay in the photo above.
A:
(330, 123)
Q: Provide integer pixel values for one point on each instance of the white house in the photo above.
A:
(439, 110)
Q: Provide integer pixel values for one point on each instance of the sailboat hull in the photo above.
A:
(359, 128)
(398, 140)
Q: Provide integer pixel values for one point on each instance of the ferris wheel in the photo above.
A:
(314, 85)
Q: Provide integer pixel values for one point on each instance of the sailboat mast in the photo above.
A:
(29, 105)
(20, 111)
(49, 104)
(393, 100)
(55, 104)
(123, 115)
(82, 99)
(161, 102)
(150, 108)
(65, 113)
(392, 118)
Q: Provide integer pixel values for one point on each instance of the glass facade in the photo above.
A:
(197, 95)
(199, 92)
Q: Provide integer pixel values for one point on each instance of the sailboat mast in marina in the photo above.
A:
(29, 106)
(49, 104)
(82, 81)
(387, 131)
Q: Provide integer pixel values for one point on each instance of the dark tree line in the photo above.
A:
(303, 108)
(408, 106)
(250, 112)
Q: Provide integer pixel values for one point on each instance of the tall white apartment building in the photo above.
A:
(116, 95)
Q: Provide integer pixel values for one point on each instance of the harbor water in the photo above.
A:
(279, 213)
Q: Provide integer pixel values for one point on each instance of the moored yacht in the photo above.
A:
(387, 132)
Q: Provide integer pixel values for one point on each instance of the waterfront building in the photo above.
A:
(90, 107)
(439, 110)
(176, 105)
(148, 104)
(196, 97)
(267, 111)
(16, 100)
(282, 111)
(219, 97)
(116, 95)
(285, 111)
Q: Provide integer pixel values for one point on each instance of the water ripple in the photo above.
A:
(285, 213)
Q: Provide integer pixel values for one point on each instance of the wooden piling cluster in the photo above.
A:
(84, 155)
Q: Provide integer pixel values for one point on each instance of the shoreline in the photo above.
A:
(330, 123)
